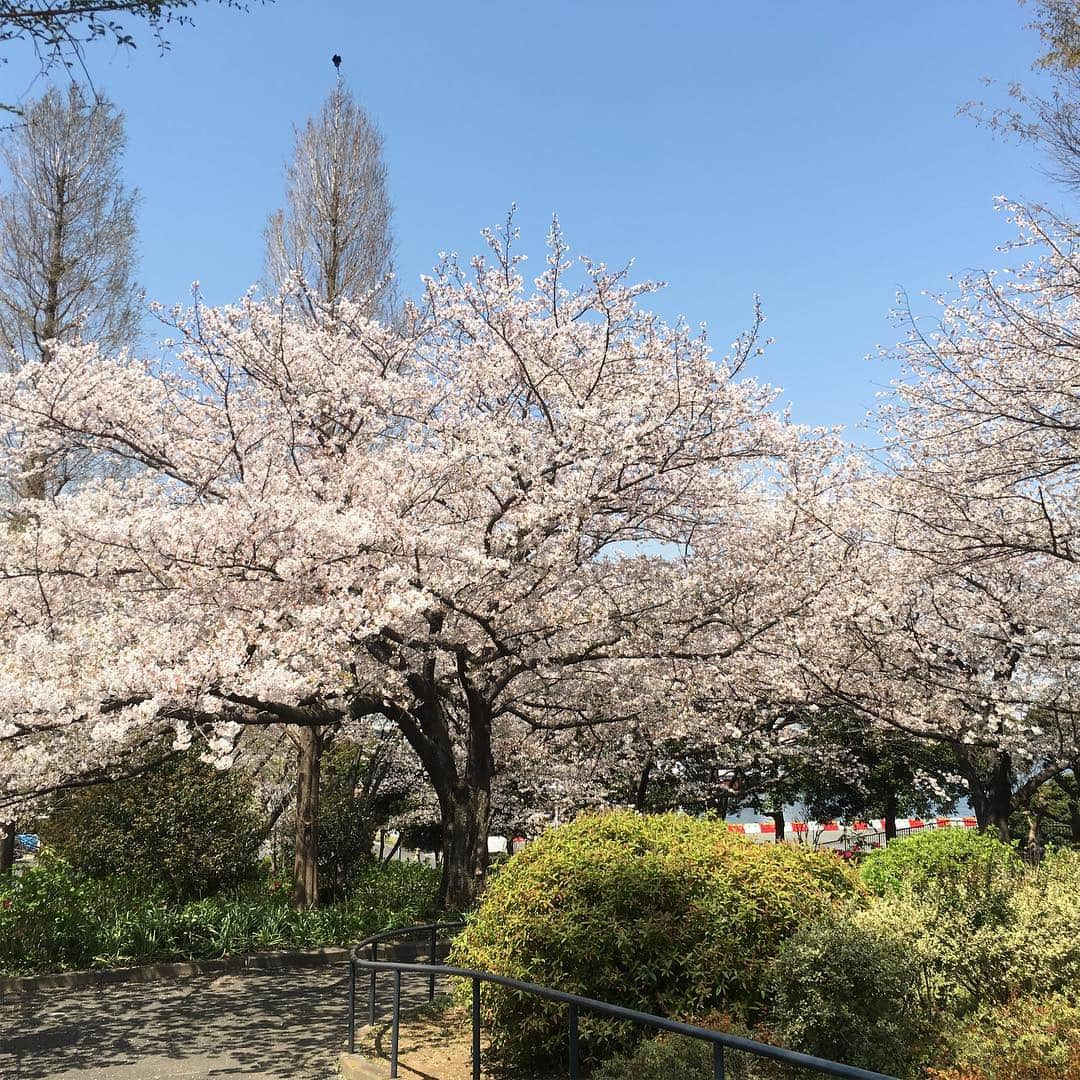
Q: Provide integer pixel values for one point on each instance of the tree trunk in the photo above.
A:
(989, 789)
(892, 808)
(992, 800)
(778, 822)
(642, 794)
(466, 815)
(1074, 820)
(306, 860)
(1034, 825)
(7, 848)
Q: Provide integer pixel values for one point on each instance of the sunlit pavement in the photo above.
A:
(274, 1025)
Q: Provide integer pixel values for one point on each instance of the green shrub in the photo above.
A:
(1034, 948)
(675, 1057)
(666, 913)
(955, 868)
(1029, 1038)
(54, 917)
(850, 987)
(662, 1058)
(356, 795)
(182, 827)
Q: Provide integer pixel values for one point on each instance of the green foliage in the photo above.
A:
(355, 798)
(54, 917)
(675, 1057)
(1028, 1038)
(662, 1058)
(183, 828)
(958, 868)
(1033, 949)
(663, 913)
(849, 987)
(888, 779)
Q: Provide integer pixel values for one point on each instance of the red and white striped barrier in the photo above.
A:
(830, 830)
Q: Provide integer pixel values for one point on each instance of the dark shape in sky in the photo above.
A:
(336, 60)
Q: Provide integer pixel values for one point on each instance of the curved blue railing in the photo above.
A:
(575, 1003)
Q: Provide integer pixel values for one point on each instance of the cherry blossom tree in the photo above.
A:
(959, 620)
(970, 659)
(983, 431)
(523, 511)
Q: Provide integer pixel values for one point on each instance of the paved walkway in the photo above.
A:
(270, 1025)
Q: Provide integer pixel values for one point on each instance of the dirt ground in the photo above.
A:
(434, 1043)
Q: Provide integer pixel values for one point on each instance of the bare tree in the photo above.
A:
(334, 231)
(67, 253)
(67, 229)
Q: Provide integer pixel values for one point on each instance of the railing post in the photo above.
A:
(718, 1061)
(434, 949)
(476, 1029)
(371, 985)
(394, 1028)
(352, 1005)
(574, 1062)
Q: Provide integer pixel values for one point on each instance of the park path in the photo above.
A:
(286, 1025)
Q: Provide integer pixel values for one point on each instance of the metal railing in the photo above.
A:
(721, 1041)
(429, 931)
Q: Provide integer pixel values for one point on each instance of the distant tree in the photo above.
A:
(67, 229)
(360, 789)
(1068, 784)
(67, 250)
(889, 774)
(334, 231)
(181, 825)
(58, 31)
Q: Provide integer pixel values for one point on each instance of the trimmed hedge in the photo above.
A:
(664, 913)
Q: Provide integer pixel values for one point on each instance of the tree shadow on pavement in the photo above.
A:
(270, 1024)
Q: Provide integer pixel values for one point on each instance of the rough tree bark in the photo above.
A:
(466, 814)
(465, 806)
(306, 859)
(990, 789)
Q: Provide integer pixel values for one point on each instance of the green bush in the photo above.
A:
(356, 796)
(1029, 1038)
(54, 917)
(665, 1057)
(666, 913)
(675, 1057)
(183, 828)
(1034, 948)
(956, 868)
(851, 988)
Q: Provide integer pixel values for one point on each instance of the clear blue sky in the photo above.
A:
(807, 152)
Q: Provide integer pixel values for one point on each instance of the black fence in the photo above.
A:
(860, 840)
(575, 1004)
(1052, 834)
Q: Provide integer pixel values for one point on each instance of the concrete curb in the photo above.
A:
(357, 1067)
(183, 969)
